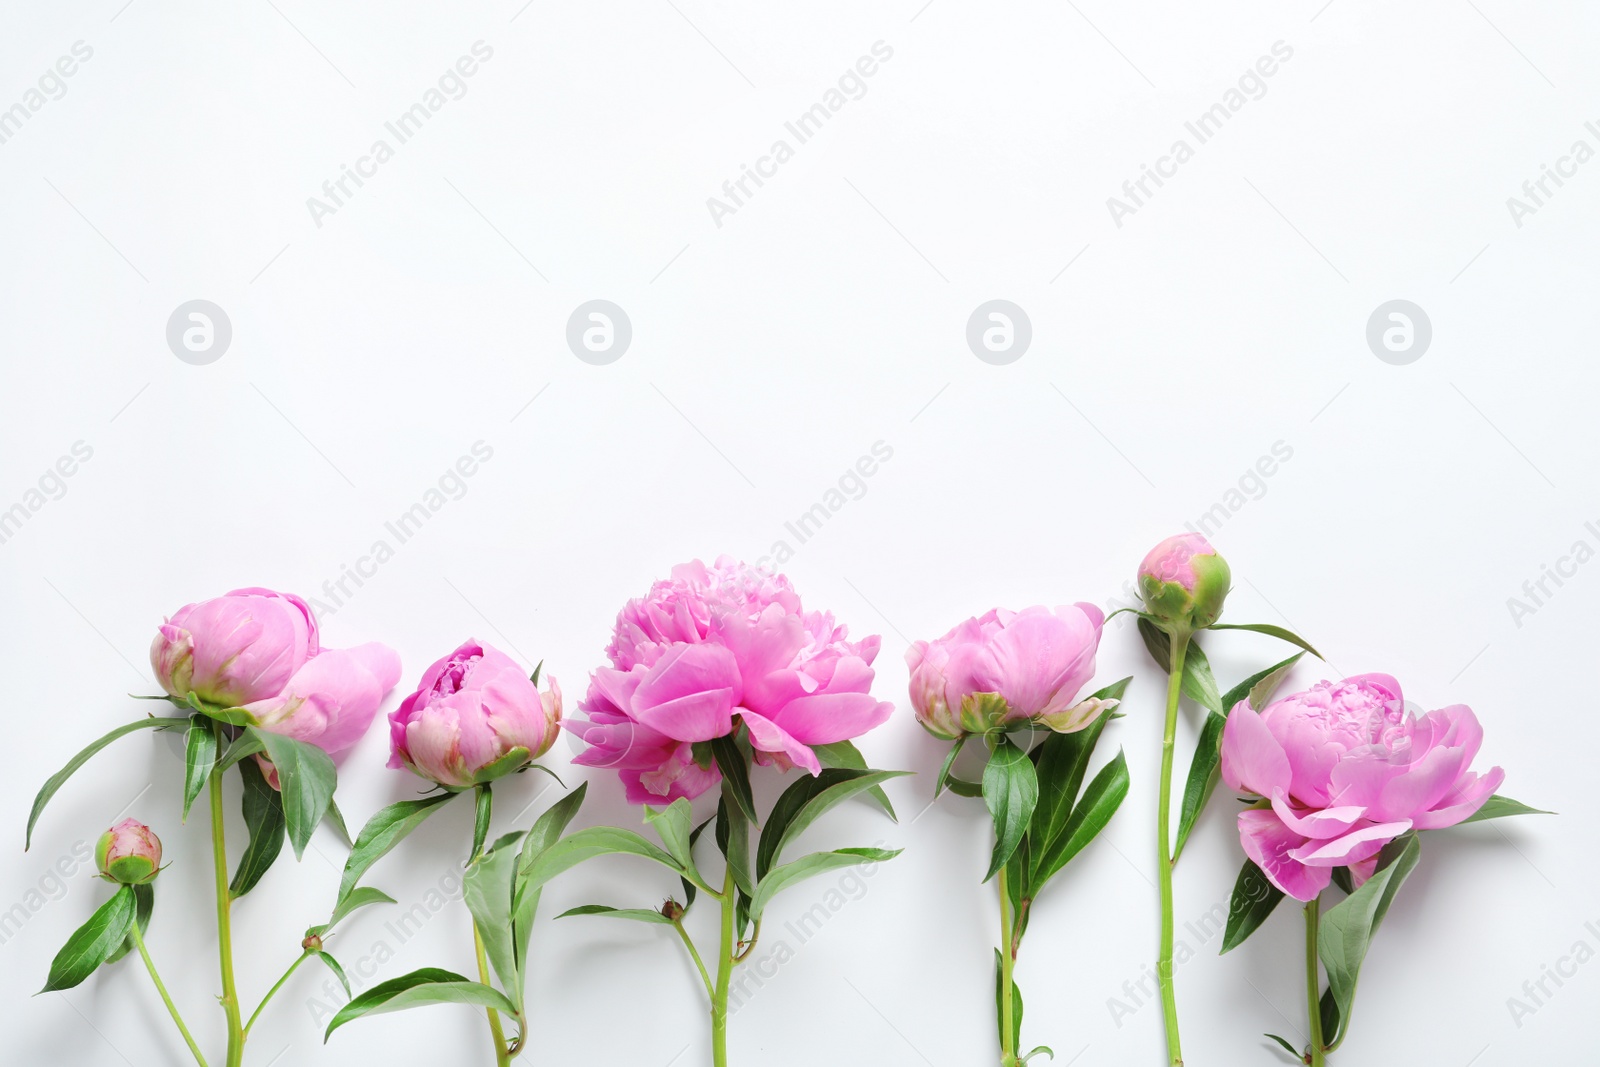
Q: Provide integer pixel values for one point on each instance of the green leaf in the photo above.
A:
(94, 941)
(55, 781)
(514, 760)
(643, 915)
(1062, 761)
(781, 878)
(243, 746)
(1199, 685)
(483, 810)
(1271, 631)
(335, 819)
(1347, 927)
(307, 778)
(1204, 770)
(1290, 1049)
(430, 985)
(943, 779)
(383, 831)
(1328, 1009)
(487, 888)
(263, 817)
(733, 840)
(963, 788)
(736, 772)
(333, 965)
(1342, 879)
(144, 902)
(1157, 643)
(230, 716)
(844, 755)
(673, 825)
(200, 756)
(1254, 898)
(546, 831)
(359, 897)
(1499, 807)
(1100, 801)
(1016, 1004)
(1011, 790)
(808, 799)
(599, 841)
(538, 668)
(689, 889)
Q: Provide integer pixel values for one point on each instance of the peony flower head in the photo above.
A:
(235, 648)
(711, 651)
(1184, 581)
(331, 701)
(1344, 769)
(129, 853)
(1006, 668)
(473, 709)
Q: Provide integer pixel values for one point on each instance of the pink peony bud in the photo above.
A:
(1346, 769)
(1008, 668)
(331, 700)
(128, 853)
(471, 710)
(1184, 582)
(236, 648)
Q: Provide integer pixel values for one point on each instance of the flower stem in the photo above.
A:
(273, 991)
(1008, 1044)
(138, 942)
(495, 1031)
(230, 994)
(1169, 999)
(725, 953)
(1313, 995)
(694, 953)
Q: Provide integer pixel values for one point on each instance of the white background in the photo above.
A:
(828, 313)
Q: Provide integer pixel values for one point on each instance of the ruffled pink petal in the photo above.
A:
(1269, 843)
(768, 736)
(1352, 847)
(830, 717)
(1464, 800)
(1312, 823)
(1252, 759)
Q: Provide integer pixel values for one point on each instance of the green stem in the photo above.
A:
(1008, 1044)
(1169, 736)
(1313, 993)
(273, 991)
(677, 924)
(719, 995)
(230, 994)
(138, 942)
(501, 1058)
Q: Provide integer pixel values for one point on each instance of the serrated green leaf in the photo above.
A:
(94, 941)
(1347, 927)
(263, 817)
(643, 915)
(1499, 807)
(845, 756)
(1011, 790)
(1254, 898)
(430, 985)
(383, 831)
(200, 756)
(1271, 631)
(54, 783)
(806, 800)
(736, 772)
(307, 779)
(781, 878)
(1100, 801)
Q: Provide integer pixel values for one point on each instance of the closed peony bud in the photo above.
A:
(1006, 669)
(1184, 582)
(472, 709)
(128, 853)
(234, 649)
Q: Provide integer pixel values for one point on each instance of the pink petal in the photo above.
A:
(1326, 823)
(1269, 844)
(1464, 800)
(1353, 847)
(1252, 759)
(830, 717)
(768, 736)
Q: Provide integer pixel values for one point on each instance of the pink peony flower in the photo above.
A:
(1346, 769)
(128, 853)
(708, 650)
(472, 708)
(235, 648)
(331, 701)
(1184, 581)
(1034, 660)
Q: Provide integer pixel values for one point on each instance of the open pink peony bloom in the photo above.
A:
(235, 648)
(471, 710)
(712, 648)
(1035, 660)
(1347, 769)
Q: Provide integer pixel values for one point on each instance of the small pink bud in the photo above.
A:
(1184, 582)
(128, 853)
